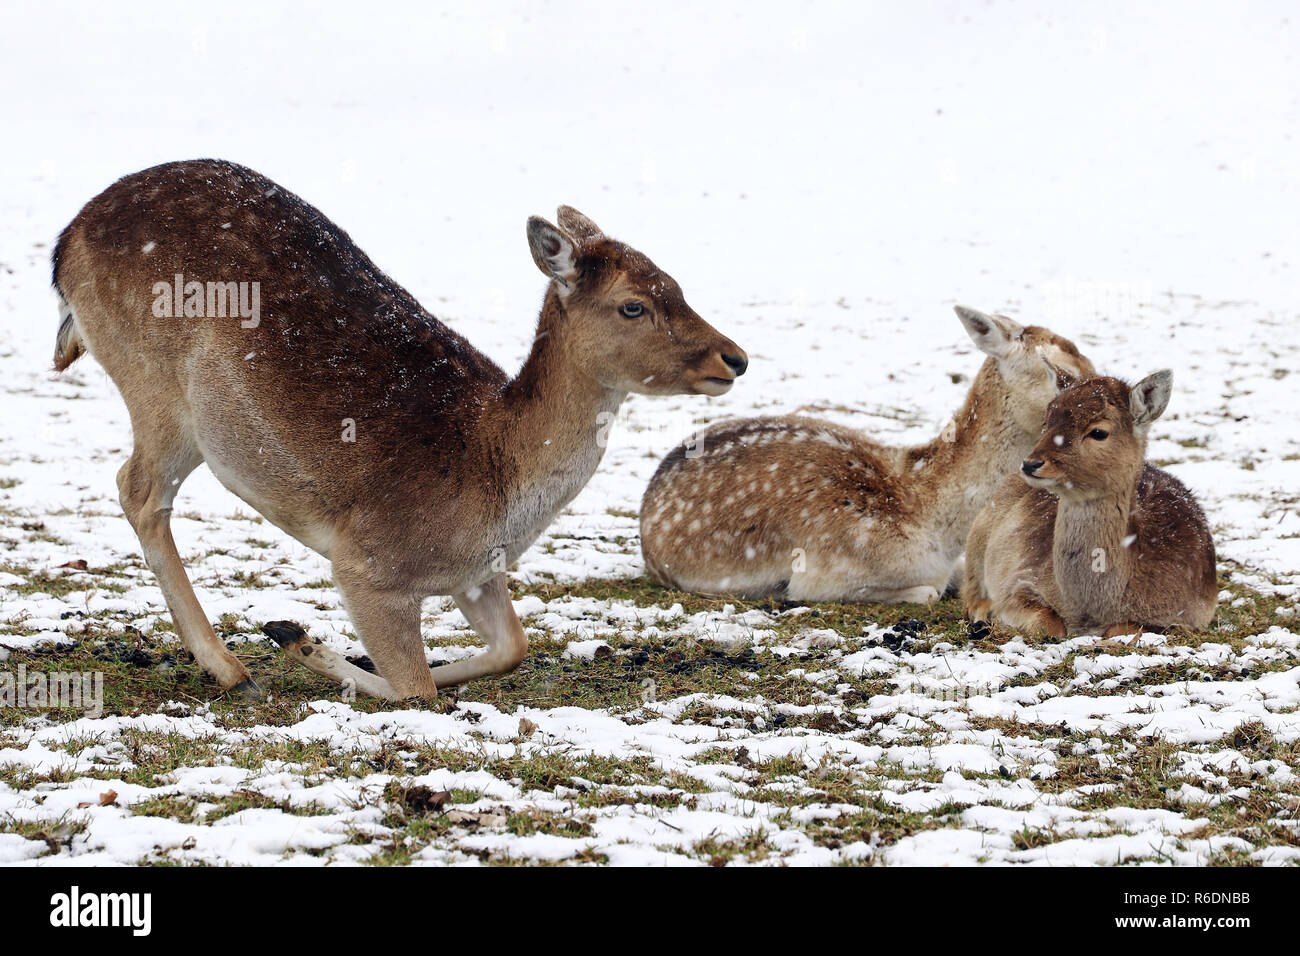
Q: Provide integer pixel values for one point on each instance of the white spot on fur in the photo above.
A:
(920, 463)
(149, 247)
(1058, 440)
(749, 553)
(1128, 541)
(225, 225)
(249, 356)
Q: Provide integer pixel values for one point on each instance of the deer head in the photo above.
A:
(624, 320)
(1035, 363)
(1094, 440)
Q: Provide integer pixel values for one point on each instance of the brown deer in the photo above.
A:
(1088, 537)
(348, 415)
(807, 510)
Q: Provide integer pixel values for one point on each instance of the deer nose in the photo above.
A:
(737, 363)
(1029, 467)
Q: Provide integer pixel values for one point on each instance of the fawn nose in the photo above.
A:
(1029, 467)
(737, 363)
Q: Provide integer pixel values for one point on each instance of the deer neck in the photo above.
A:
(1091, 556)
(550, 423)
(958, 471)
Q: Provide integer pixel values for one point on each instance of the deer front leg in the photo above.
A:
(388, 624)
(489, 611)
(1125, 629)
(319, 659)
(1030, 616)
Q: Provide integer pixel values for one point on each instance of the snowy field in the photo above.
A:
(825, 182)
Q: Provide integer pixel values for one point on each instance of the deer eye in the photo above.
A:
(1099, 434)
(631, 310)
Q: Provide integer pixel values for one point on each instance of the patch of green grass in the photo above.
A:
(242, 800)
(753, 847)
(57, 585)
(533, 820)
(57, 834)
(178, 808)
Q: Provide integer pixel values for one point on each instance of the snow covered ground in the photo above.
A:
(825, 182)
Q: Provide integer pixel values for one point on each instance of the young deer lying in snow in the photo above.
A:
(807, 510)
(351, 417)
(1088, 537)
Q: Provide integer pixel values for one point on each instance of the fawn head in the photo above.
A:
(1094, 440)
(625, 320)
(1035, 363)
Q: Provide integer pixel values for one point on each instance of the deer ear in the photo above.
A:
(577, 225)
(992, 334)
(1063, 378)
(554, 251)
(1148, 398)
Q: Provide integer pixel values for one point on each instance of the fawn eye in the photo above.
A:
(631, 310)
(1099, 434)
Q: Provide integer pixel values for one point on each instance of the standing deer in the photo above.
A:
(807, 510)
(350, 416)
(1088, 537)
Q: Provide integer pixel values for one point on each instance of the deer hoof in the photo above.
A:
(284, 633)
(248, 692)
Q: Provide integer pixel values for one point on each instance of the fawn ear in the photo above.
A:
(1148, 398)
(992, 334)
(554, 251)
(1063, 377)
(577, 225)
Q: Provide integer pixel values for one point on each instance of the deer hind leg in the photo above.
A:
(490, 613)
(147, 485)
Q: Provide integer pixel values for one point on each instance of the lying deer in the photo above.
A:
(1088, 537)
(806, 510)
(347, 414)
